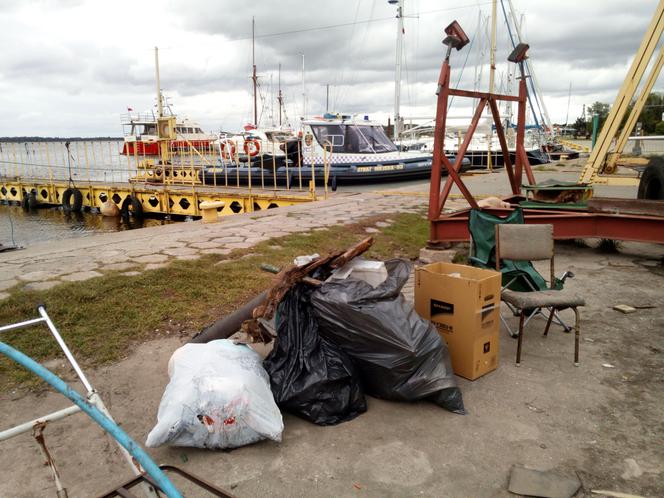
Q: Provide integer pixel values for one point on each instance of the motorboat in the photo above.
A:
(337, 149)
(140, 135)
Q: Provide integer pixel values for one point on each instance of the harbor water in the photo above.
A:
(95, 160)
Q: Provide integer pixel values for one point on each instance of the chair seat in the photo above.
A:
(559, 299)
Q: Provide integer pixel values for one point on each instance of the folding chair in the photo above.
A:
(534, 243)
(516, 275)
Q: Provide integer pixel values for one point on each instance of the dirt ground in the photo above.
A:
(601, 421)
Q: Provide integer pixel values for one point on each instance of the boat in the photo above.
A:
(478, 149)
(340, 148)
(259, 145)
(140, 135)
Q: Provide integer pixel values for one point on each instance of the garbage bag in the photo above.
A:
(400, 355)
(311, 376)
(218, 397)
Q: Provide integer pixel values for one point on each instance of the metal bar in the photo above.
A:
(19, 325)
(439, 140)
(461, 152)
(482, 95)
(639, 207)
(93, 412)
(65, 349)
(28, 426)
(566, 225)
(503, 144)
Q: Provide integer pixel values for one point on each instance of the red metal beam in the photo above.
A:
(482, 95)
(566, 225)
(503, 145)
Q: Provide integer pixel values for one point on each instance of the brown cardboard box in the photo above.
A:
(463, 303)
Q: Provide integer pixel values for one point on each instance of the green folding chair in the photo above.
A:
(520, 276)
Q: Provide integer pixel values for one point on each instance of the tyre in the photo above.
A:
(131, 206)
(333, 183)
(77, 196)
(651, 185)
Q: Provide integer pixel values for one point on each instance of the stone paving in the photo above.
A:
(43, 266)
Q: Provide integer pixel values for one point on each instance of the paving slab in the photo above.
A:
(34, 276)
(4, 295)
(118, 266)
(151, 258)
(7, 284)
(155, 266)
(204, 245)
(40, 286)
(180, 251)
(82, 275)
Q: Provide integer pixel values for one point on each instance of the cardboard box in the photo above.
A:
(463, 303)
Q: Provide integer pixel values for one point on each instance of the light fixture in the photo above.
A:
(456, 37)
(519, 53)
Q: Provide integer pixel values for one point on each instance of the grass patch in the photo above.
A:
(101, 318)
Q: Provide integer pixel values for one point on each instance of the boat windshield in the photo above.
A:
(353, 139)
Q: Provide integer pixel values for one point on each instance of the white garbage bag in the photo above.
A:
(219, 396)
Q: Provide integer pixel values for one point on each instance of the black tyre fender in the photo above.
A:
(333, 183)
(131, 201)
(651, 185)
(67, 200)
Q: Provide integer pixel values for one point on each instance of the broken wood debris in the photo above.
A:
(289, 276)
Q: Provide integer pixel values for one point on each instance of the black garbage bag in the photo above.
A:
(310, 376)
(400, 355)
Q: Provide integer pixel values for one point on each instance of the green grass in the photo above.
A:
(101, 319)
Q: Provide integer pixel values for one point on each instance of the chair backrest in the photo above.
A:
(524, 242)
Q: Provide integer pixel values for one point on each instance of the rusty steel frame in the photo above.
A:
(567, 223)
(438, 197)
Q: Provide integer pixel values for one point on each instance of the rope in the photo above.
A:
(509, 30)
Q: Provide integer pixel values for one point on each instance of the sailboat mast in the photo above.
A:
(280, 98)
(397, 75)
(492, 51)
(160, 105)
(253, 76)
(304, 93)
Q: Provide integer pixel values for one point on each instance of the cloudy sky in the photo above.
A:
(71, 67)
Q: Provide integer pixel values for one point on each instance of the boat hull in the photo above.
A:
(374, 172)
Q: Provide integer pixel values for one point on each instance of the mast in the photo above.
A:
(253, 76)
(160, 105)
(492, 51)
(327, 98)
(397, 75)
(280, 98)
(304, 93)
(531, 72)
(492, 76)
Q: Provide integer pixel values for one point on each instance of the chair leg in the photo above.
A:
(518, 347)
(577, 333)
(552, 312)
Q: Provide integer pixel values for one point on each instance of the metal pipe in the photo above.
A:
(27, 426)
(227, 326)
(93, 412)
(65, 349)
(19, 325)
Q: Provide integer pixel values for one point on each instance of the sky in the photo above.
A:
(72, 67)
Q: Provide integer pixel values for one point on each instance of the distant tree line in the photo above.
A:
(650, 120)
(58, 139)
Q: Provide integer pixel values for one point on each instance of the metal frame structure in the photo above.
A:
(605, 221)
(601, 160)
(150, 477)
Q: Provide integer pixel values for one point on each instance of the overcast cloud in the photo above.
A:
(72, 67)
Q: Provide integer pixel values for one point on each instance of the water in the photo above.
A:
(26, 228)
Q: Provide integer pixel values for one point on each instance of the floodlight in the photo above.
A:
(456, 37)
(519, 53)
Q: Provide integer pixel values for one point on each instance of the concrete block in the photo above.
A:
(428, 256)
